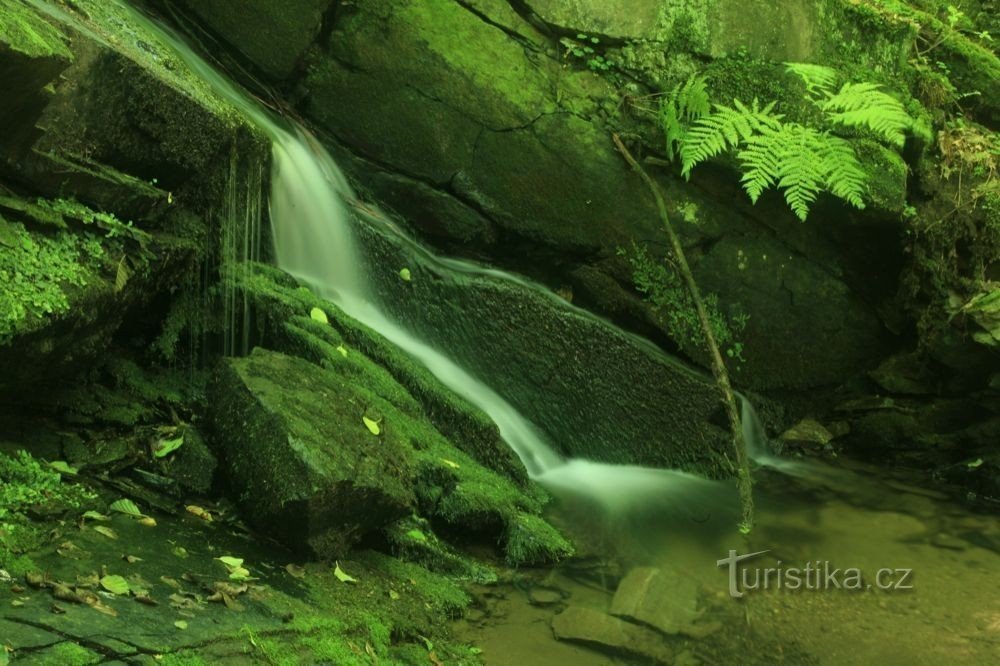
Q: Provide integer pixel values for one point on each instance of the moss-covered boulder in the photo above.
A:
(303, 450)
(320, 456)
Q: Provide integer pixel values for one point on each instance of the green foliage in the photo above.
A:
(582, 47)
(725, 129)
(683, 104)
(36, 270)
(865, 105)
(800, 160)
(662, 286)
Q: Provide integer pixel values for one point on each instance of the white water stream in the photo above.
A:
(314, 241)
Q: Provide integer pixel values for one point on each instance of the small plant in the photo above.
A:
(660, 282)
(582, 48)
(799, 159)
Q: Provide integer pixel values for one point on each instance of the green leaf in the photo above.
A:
(974, 463)
(167, 446)
(181, 624)
(416, 535)
(122, 275)
(372, 425)
(318, 315)
(405, 274)
(231, 562)
(343, 350)
(63, 468)
(343, 577)
(115, 585)
(94, 515)
(126, 506)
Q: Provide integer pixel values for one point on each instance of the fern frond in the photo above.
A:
(865, 105)
(685, 102)
(726, 128)
(802, 162)
(692, 98)
(122, 274)
(818, 79)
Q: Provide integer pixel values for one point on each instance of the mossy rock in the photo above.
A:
(296, 448)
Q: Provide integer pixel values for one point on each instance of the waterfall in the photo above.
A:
(314, 241)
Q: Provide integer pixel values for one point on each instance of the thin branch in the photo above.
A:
(744, 483)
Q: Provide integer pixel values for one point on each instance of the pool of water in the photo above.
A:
(935, 602)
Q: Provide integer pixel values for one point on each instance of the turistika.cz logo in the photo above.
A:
(815, 575)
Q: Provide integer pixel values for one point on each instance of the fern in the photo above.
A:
(725, 129)
(864, 105)
(685, 102)
(818, 79)
(803, 162)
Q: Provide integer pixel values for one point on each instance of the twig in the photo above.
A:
(744, 483)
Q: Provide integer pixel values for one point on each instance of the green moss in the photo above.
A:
(24, 483)
(38, 271)
(67, 654)
(22, 30)
(887, 174)
(530, 540)
(414, 540)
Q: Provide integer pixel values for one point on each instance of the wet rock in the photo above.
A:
(543, 596)
(270, 35)
(807, 434)
(660, 598)
(586, 625)
(194, 465)
(297, 451)
(904, 374)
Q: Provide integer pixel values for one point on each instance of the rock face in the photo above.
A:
(99, 180)
(297, 447)
(516, 162)
(272, 35)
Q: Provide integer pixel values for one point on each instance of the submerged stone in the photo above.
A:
(586, 625)
(660, 598)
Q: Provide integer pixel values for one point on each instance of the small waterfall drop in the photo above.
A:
(314, 241)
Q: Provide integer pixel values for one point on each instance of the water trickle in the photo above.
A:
(314, 240)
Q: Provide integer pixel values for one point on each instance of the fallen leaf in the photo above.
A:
(394, 595)
(450, 463)
(94, 515)
(181, 552)
(146, 600)
(372, 426)
(165, 447)
(170, 582)
(17, 603)
(106, 531)
(342, 576)
(230, 561)
(126, 506)
(405, 274)
(131, 559)
(181, 624)
(115, 585)
(147, 521)
(318, 315)
(63, 467)
(196, 510)
(343, 350)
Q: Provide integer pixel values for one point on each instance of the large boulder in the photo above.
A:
(297, 449)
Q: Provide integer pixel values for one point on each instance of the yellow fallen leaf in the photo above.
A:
(106, 531)
(372, 425)
(196, 510)
(450, 463)
(342, 576)
(318, 315)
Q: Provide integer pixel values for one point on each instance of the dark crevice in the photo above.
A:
(513, 34)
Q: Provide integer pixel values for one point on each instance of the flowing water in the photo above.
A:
(631, 516)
